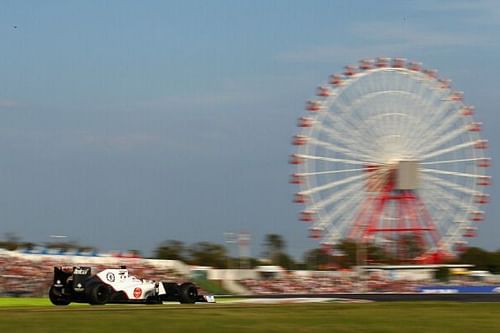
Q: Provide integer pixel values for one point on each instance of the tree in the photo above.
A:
(349, 251)
(377, 254)
(208, 254)
(70, 245)
(316, 259)
(12, 241)
(410, 246)
(274, 245)
(171, 249)
(285, 261)
(135, 252)
(442, 274)
(481, 259)
(354, 253)
(274, 250)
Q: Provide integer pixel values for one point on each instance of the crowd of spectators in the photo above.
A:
(321, 284)
(26, 276)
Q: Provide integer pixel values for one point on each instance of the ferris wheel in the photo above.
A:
(387, 151)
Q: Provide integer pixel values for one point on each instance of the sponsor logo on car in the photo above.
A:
(79, 287)
(110, 277)
(81, 271)
(137, 292)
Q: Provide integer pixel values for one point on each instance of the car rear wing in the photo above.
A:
(78, 274)
(61, 276)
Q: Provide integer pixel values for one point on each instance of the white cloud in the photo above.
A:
(414, 35)
(484, 8)
(123, 141)
(195, 100)
(229, 96)
(396, 38)
(391, 43)
(8, 104)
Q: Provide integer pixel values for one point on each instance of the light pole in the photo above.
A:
(244, 248)
(57, 237)
(230, 238)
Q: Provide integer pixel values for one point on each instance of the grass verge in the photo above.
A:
(398, 317)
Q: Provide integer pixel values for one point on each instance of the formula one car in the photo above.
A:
(77, 284)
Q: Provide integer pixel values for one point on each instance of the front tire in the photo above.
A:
(188, 293)
(57, 298)
(99, 294)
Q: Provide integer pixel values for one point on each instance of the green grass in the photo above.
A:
(16, 302)
(23, 301)
(398, 317)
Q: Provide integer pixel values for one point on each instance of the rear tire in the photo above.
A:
(57, 298)
(188, 293)
(98, 294)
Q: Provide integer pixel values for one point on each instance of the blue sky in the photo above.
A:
(125, 123)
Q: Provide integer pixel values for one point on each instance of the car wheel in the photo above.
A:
(98, 294)
(188, 293)
(57, 298)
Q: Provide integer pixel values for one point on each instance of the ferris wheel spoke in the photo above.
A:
(340, 210)
(338, 149)
(346, 110)
(441, 206)
(436, 206)
(343, 208)
(443, 139)
(448, 150)
(433, 116)
(346, 130)
(349, 191)
(406, 126)
(449, 185)
(438, 192)
(444, 211)
(453, 161)
(317, 173)
(382, 123)
(380, 93)
(347, 222)
(334, 184)
(391, 124)
(330, 159)
(451, 173)
(352, 147)
(452, 199)
(334, 234)
(432, 131)
(438, 138)
(350, 130)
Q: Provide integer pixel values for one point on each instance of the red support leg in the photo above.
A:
(411, 217)
(357, 229)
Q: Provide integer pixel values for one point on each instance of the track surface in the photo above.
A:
(386, 297)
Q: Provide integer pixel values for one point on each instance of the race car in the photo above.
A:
(77, 284)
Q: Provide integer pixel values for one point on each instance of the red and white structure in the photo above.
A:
(389, 151)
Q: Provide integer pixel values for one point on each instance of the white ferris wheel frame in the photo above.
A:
(382, 114)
